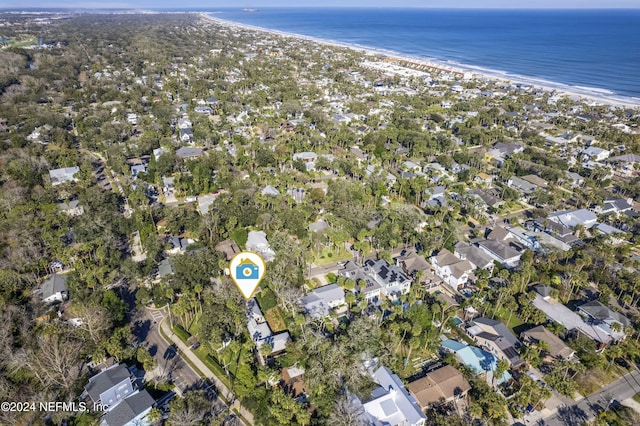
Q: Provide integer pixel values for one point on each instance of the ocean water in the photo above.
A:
(597, 50)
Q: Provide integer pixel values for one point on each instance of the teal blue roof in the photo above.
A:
(475, 358)
(452, 345)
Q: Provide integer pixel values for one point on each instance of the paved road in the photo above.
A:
(145, 328)
(169, 357)
(587, 408)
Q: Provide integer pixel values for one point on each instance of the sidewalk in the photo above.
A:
(222, 389)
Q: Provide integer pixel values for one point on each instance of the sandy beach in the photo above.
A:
(586, 95)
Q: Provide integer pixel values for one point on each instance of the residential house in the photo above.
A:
(319, 302)
(453, 271)
(270, 191)
(573, 218)
(205, 202)
(365, 284)
(64, 175)
(177, 244)
(308, 158)
(391, 404)
(435, 197)
(554, 345)
(593, 153)
(165, 268)
(502, 246)
(157, 153)
(521, 185)
(203, 110)
(478, 257)
(597, 311)
(615, 206)
(228, 247)
(297, 194)
(555, 229)
(186, 135)
(443, 384)
(72, 208)
(483, 178)
(261, 333)
(184, 123)
(536, 180)
(535, 240)
(132, 118)
(188, 153)
(574, 179)
(598, 331)
(416, 265)
(489, 197)
(626, 164)
(293, 381)
(496, 338)
(110, 386)
(359, 154)
(393, 281)
(478, 360)
(54, 289)
(390, 179)
(501, 151)
(257, 242)
(138, 168)
(131, 411)
(168, 184)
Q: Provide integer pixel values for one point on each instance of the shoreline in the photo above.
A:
(586, 94)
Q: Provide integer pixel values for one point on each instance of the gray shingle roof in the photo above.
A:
(54, 284)
(128, 409)
(106, 380)
(602, 312)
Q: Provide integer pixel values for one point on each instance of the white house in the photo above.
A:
(308, 158)
(257, 242)
(60, 176)
(593, 153)
(391, 404)
(320, 301)
(453, 271)
(573, 218)
(260, 331)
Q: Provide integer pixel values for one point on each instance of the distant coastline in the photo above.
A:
(587, 94)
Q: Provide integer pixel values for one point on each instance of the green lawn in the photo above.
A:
(194, 327)
(327, 256)
(503, 315)
(23, 43)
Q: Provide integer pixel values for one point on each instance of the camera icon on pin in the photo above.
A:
(247, 270)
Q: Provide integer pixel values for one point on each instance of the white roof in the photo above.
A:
(572, 218)
(392, 404)
(257, 242)
(270, 190)
(204, 202)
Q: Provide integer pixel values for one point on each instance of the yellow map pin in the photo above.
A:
(247, 270)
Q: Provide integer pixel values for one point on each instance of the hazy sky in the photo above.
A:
(527, 4)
